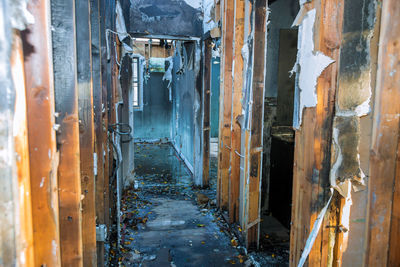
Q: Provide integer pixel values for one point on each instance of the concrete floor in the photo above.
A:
(163, 223)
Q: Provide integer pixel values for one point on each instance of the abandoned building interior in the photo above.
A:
(200, 133)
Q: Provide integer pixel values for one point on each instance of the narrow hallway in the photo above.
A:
(167, 222)
(174, 133)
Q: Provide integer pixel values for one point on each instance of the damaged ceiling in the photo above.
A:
(166, 17)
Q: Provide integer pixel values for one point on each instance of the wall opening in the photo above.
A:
(278, 145)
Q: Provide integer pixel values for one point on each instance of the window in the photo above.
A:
(137, 95)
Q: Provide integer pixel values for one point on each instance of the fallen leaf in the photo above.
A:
(234, 242)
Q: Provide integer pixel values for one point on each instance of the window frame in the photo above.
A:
(136, 84)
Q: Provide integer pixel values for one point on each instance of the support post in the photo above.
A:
(384, 176)
(43, 156)
(86, 130)
(98, 119)
(254, 153)
(206, 108)
(66, 105)
(20, 131)
(225, 105)
(237, 89)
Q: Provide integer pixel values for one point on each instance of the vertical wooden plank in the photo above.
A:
(98, 122)
(328, 30)
(225, 105)
(66, 104)
(106, 83)
(394, 245)
(237, 68)
(25, 236)
(383, 175)
(43, 156)
(8, 231)
(206, 108)
(221, 101)
(104, 211)
(86, 130)
(256, 124)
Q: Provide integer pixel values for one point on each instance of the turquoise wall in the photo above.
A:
(215, 80)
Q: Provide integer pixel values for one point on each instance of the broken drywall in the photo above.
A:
(167, 17)
(309, 66)
(168, 75)
(354, 92)
(120, 22)
(346, 161)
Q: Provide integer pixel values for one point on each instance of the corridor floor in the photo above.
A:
(167, 222)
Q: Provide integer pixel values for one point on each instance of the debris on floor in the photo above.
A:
(165, 221)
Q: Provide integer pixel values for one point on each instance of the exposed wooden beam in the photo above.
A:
(66, 105)
(384, 178)
(98, 119)
(254, 156)
(20, 130)
(224, 148)
(86, 130)
(206, 107)
(105, 21)
(237, 89)
(43, 156)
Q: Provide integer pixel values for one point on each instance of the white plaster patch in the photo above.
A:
(194, 3)
(309, 65)
(20, 17)
(339, 157)
(208, 22)
(364, 108)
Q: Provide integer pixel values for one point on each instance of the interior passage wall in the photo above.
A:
(215, 83)
(153, 122)
(183, 87)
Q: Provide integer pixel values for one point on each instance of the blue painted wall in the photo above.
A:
(154, 121)
(183, 110)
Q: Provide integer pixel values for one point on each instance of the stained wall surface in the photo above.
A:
(154, 121)
(183, 109)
